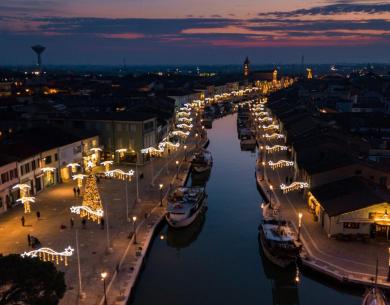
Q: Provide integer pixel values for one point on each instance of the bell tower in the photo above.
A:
(246, 67)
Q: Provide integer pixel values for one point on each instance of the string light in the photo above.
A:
(294, 186)
(80, 208)
(73, 166)
(270, 127)
(275, 148)
(186, 126)
(121, 152)
(26, 203)
(91, 206)
(120, 174)
(280, 163)
(186, 120)
(183, 113)
(48, 169)
(180, 133)
(47, 254)
(96, 149)
(265, 119)
(107, 164)
(273, 136)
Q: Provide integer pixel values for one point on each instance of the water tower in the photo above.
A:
(38, 49)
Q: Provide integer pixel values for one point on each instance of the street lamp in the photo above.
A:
(161, 195)
(299, 225)
(196, 139)
(135, 233)
(270, 194)
(177, 169)
(103, 276)
(185, 152)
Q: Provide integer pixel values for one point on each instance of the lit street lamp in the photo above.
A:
(270, 194)
(299, 225)
(135, 233)
(196, 140)
(177, 169)
(161, 195)
(103, 276)
(185, 152)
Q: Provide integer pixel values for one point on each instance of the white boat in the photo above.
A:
(278, 242)
(184, 205)
(203, 161)
(374, 296)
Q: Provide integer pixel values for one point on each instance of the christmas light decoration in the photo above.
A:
(91, 200)
(79, 178)
(107, 164)
(280, 163)
(185, 109)
(90, 164)
(273, 136)
(24, 189)
(80, 208)
(275, 148)
(48, 169)
(47, 254)
(270, 127)
(186, 120)
(26, 203)
(294, 186)
(180, 133)
(183, 114)
(164, 143)
(265, 119)
(73, 166)
(121, 152)
(152, 151)
(95, 149)
(262, 113)
(185, 126)
(120, 174)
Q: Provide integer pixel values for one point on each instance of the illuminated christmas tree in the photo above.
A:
(91, 200)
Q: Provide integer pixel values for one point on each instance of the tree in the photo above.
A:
(29, 281)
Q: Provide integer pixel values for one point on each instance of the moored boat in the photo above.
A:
(278, 242)
(184, 205)
(203, 161)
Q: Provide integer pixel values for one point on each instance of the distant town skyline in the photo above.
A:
(195, 31)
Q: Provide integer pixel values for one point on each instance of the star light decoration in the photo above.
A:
(26, 203)
(180, 133)
(90, 164)
(280, 164)
(23, 188)
(47, 254)
(273, 136)
(120, 174)
(121, 152)
(275, 148)
(293, 186)
(183, 114)
(95, 149)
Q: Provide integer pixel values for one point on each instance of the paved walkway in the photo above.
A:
(94, 240)
(345, 260)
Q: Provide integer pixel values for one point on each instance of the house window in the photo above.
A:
(33, 165)
(48, 160)
(4, 178)
(27, 168)
(15, 173)
(11, 175)
(351, 225)
(55, 157)
(22, 170)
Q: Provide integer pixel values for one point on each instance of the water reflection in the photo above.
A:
(284, 281)
(184, 237)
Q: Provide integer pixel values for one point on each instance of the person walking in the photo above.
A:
(78, 192)
(102, 223)
(29, 240)
(74, 191)
(71, 223)
(38, 215)
(22, 220)
(84, 223)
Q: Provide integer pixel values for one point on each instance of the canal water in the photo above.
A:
(217, 260)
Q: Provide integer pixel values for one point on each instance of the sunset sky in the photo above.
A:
(195, 31)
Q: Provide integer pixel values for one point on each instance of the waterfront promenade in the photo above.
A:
(100, 250)
(351, 262)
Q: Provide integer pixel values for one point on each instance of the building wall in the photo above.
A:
(8, 179)
(29, 171)
(50, 159)
(71, 153)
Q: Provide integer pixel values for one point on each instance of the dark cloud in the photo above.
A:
(338, 8)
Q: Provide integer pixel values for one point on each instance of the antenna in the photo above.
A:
(38, 49)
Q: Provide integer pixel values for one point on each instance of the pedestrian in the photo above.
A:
(22, 220)
(38, 215)
(117, 268)
(102, 223)
(84, 223)
(286, 179)
(141, 176)
(97, 179)
(291, 179)
(29, 240)
(74, 191)
(78, 192)
(71, 223)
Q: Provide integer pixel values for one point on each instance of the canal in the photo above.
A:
(217, 259)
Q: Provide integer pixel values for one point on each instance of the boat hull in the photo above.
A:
(281, 261)
(187, 221)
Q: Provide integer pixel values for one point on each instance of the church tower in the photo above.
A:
(246, 67)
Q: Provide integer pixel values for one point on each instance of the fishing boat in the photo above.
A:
(202, 161)
(374, 296)
(278, 242)
(184, 205)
